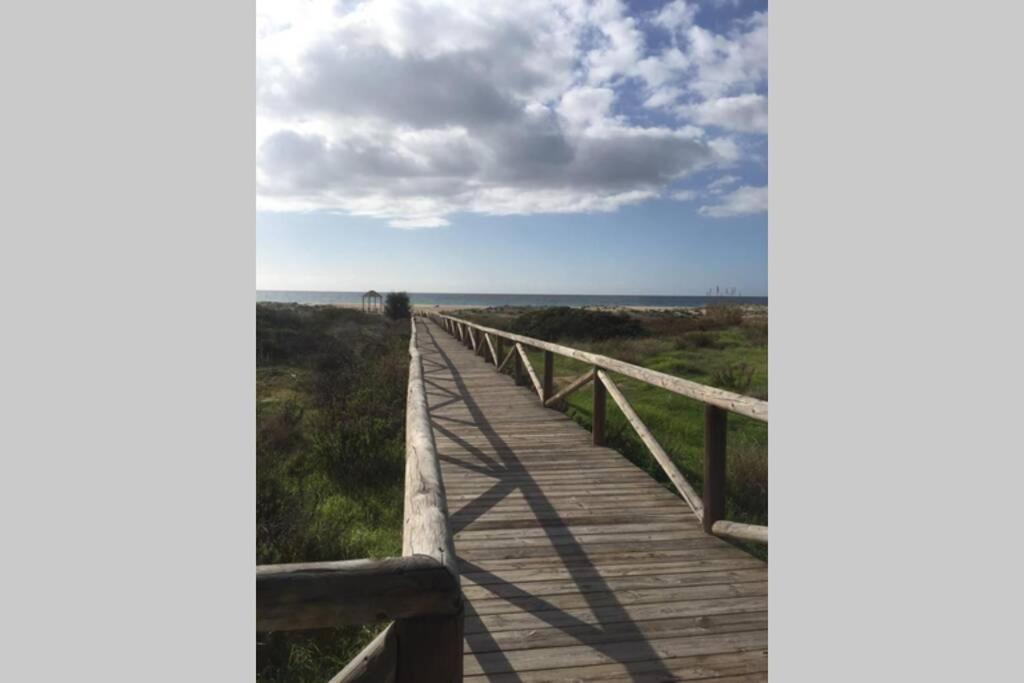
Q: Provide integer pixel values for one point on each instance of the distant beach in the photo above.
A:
(449, 301)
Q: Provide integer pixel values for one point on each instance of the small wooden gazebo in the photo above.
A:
(373, 302)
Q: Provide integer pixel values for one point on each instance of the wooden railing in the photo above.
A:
(419, 591)
(709, 507)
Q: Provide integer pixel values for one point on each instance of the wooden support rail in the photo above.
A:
(330, 594)
(511, 352)
(733, 402)
(709, 507)
(490, 345)
(576, 384)
(663, 458)
(375, 664)
(529, 368)
(741, 532)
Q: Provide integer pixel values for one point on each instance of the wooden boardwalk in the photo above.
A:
(575, 564)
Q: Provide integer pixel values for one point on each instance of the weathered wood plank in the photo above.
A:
(599, 584)
(731, 667)
(741, 532)
(628, 631)
(375, 664)
(529, 368)
(514, 577)
(493, 623)
(332, 594)
(610, 653)
(576, 384)
(639, 596)
(490, 345)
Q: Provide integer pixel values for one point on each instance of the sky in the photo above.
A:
(561, 147)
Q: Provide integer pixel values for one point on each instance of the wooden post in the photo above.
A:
(714, 465)
(519, 375)
(600, 403)
(549, 376)
(429, 649)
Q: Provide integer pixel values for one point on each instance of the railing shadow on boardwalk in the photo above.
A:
(573, 557)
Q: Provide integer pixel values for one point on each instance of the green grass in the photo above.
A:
(712, 351)
(330, 392)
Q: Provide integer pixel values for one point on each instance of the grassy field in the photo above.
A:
(727, 347)
(330, 392)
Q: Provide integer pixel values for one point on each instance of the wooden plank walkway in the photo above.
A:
(575, 564)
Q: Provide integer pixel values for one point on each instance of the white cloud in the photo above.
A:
(685, 195)
(676, 15)
(703, 68)
(411, 111)
(743, 201)
(429, 222)
(718, 185)
(584, 106)
(742, 113)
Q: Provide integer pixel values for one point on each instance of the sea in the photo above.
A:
(495, 300)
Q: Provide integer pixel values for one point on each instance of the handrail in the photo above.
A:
(733, 402)
(429, 648)
(425, 530)
(330, 594)
(709, 508)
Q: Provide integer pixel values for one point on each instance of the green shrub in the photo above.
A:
(756, 333)
(697, 339)
(723, 315)
(396, 306)
(747, 484)
(296, 334)
(735, 377)
(576, 324)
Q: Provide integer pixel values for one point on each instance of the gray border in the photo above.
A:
(893, 168)
(128, 273)
(128, 383)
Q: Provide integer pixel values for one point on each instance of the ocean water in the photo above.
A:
(488, 300)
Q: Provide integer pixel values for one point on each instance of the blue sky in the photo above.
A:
(549, 147)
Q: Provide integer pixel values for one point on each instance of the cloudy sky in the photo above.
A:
(562, 146)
